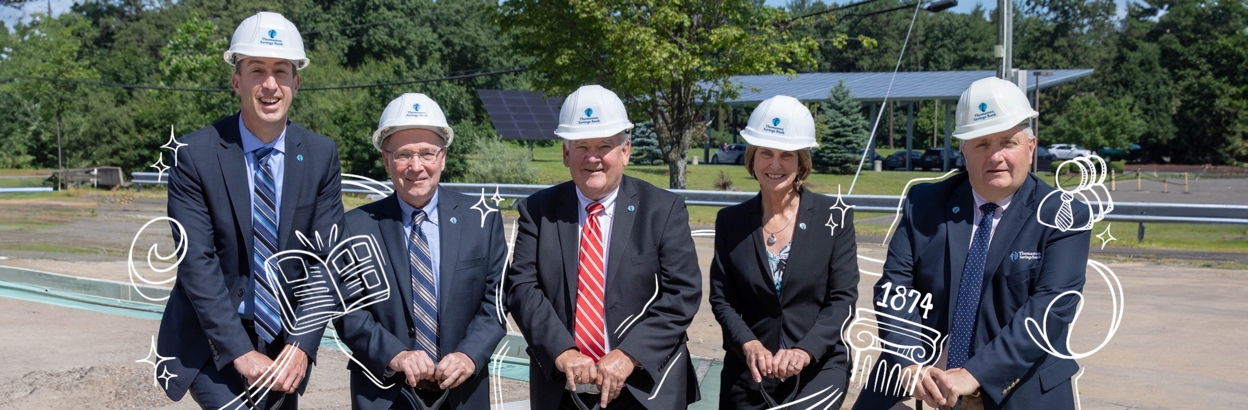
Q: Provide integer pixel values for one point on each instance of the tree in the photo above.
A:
(847, 132)
(645, 145)
(668, 61)
(1094, 122)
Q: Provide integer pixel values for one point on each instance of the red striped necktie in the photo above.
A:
(591, 328)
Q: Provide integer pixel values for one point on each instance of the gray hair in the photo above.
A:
(1030, 133)
(628, 136)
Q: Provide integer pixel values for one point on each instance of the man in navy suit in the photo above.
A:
(430, 335)
(974, 243)
(605, 277)
(241, 189)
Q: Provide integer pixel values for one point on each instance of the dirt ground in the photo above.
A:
(1179, 345)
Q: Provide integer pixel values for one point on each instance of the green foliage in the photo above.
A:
(847, 133)
(645, 145)
(683, 51)
(497, 162)
(1097, 122)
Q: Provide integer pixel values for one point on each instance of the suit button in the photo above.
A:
(240, 292)
(411, 331)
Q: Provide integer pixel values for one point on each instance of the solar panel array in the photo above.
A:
(872, 87)
(522, 115)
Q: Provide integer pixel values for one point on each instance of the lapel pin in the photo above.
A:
(802, 226)
(956, 209)
(299, 157)
(631, 208)
(453, 220)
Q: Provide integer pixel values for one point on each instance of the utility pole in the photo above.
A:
(1005, 39)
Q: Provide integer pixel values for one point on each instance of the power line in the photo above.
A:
(227, 90)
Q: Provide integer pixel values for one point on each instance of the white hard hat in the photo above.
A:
(412, 110)
(267, 34)
(592, 112)
(781, 122)
(989, 106)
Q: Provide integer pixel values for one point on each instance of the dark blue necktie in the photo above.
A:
(264, 231)
(424, 299)
(969, 291)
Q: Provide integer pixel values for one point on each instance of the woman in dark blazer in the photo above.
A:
(785, 274)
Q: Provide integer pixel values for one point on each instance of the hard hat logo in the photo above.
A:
(589, 117)
(416, 112)
(775, 122)
(415, 107)
(983, 107)
(589, 112)
(774, 127)
(272, 33)
(272, 39)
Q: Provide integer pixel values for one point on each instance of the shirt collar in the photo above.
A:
(431, 210)
(608, 202)
(1001, 205)
(251, 142)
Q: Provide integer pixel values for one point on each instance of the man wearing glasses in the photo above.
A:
(430, 340)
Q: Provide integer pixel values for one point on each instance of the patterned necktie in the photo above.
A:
(424, 303)
(969, 291)
(264, 230)
(591, 327)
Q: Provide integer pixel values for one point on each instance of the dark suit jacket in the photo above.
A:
(471, 263)
(1028, 265)
(653, 289)
(820, 289)
(210, 197)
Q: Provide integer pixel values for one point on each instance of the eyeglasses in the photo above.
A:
(406, 157)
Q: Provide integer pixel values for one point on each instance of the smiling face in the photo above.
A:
(266, 88)
(414, 180)
(597, 164)
(997, 164)
(776, 170)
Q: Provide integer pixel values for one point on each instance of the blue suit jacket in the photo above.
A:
(1028, 265)
(472, 261)
(210, 197)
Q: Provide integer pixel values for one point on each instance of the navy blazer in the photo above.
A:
(820, 288)
(653, 289)
(1028, 265)
(210, 197)
(472, 260)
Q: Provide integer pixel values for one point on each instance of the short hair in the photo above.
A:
(1030, 132)
(803, 164)
(628, 136)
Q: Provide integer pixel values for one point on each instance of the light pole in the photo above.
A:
(1035, 123)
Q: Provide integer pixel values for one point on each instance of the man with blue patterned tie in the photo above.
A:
(241, 189)
(971, 246)
(430, 336)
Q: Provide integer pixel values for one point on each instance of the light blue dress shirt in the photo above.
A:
(277, 165)
(432, 235)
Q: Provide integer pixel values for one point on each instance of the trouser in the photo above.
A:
(625, 401)
(225, 388)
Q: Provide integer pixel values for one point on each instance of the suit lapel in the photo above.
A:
(292, 185)
(1022, 207)
(621, 229)
(798, 254)
(390, 223)
(234, 173)
(566, 219)
(448, 208)
(958, 236)
(755, 224)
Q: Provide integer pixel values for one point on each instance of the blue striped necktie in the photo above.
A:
(969, 291)
(264, 229)
(424, 301)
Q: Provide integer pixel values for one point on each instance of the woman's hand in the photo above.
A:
(789, 362)
(759, 359)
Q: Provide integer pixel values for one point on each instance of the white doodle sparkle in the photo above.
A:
(160, 167)
(483, 207)
(156, 364)
(497, 198)
(173, 145)
(841, 206)
(1106, 236)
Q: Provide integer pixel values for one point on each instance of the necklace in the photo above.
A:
(771, 238)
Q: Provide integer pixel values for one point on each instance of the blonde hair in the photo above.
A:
(803, 164)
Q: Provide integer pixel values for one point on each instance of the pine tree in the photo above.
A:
(646, 145)
(840, 148)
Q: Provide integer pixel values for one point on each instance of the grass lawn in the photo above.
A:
(21, 182)
(1198, 237)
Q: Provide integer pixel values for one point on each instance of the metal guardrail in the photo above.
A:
(1123, 211)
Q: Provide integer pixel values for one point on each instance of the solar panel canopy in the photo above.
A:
(875, 87)
(522, 115)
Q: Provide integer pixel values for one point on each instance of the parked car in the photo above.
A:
(1068, 151)
(934, 159)
(1044, 159)
(897, 160)
(732, 154)
(1129, 153)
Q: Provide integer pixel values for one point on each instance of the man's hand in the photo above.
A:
(577, 367)
(758, 358)
(613, 369)
(789, 362)
(414, 364)
(956, 383)
(252, 366)
(288, 378)
(453, 370)
(928, 389)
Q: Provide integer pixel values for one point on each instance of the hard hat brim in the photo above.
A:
(966, 134)
(758, 139)
(233, 57)
(599, 132)
(380, 135)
